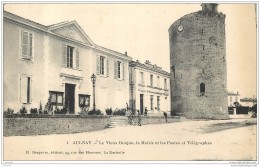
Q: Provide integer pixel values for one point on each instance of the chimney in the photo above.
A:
(126, 53)
(147, 62)
(210, 7)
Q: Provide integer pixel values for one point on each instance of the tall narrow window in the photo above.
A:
(165, 84)
(173, 71)
(25, 89)
(151, 80)
(141, 78)
(119, 70)
(158, 102)
(26, 45)
(102, 65)
(202, 89)
(151, 101)
(70, 56)
(158, 82)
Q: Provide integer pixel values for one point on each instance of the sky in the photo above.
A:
(142, 31)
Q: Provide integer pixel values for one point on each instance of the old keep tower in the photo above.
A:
(198, 64)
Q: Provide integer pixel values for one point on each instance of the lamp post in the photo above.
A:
(93, 79)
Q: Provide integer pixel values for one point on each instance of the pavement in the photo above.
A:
(187, 140)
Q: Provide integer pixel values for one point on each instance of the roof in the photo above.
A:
(148, 66)
(49, 29)
(233, 94)
(249, 100)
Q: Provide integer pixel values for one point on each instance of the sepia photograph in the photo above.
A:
(129, 82)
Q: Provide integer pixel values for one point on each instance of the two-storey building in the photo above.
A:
(149, 87)
(56, 62)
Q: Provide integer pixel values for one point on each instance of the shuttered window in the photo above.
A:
(70, 56)
(26, 45)
(102, 67)
(119, 70)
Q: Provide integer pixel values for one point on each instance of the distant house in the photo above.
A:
(250, 102)
(232, 98)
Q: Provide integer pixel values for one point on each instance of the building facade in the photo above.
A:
(233, 98)
(149, 87)
(198, 64)
(54, 64)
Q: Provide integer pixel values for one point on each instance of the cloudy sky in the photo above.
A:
(142, 31)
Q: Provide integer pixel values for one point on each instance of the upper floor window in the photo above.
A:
(70, 56)
(202, 89)
(151, 80)
(141, 78)
(158, 82)
(25, 89)
(119, 69)
(165, 84)
(102, 66)
(26, 45)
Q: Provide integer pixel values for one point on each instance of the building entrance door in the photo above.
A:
(70, 97)
(142, 104)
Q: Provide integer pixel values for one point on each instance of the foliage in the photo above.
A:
(84, 110)
(63, 110)
(254, 108)
(23, 110)
(242, 110)
(8, 112)
(48, 108)
(95, 112)
(40, 108)
(33, 111)
(119, 111)
(109, 111)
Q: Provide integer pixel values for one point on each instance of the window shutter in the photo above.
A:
(64, 55)
(123, 71)
(107, 67)
(30, 49)
(115, 68)
(24, 42)
(23, 88)
(31, 86)
(98, 64)
(77, 58)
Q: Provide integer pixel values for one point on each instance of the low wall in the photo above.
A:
(42, 125)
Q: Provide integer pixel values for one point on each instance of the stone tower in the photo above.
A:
(198, 64)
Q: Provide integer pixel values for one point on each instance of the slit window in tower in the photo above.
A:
(173, 71)
(202, 89)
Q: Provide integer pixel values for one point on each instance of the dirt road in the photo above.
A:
(185, 140)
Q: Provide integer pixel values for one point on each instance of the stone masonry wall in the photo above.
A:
(198, 55)
(53, 125)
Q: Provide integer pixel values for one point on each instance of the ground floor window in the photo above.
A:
(56, 98)
(84, 100)
(158, 102)
(151, 101)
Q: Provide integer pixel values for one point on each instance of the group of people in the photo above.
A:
(131, 117)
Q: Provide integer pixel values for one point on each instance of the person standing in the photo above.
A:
(145, 111)
(139, 118)
(165, 115)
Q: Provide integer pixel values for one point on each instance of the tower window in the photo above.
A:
(203, 47)
(173, 71)
(202, 89)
